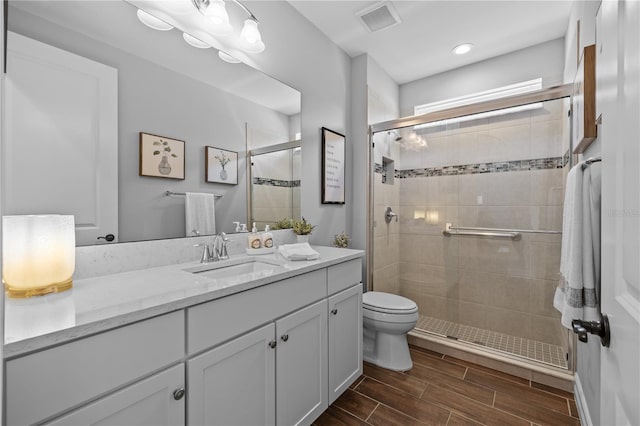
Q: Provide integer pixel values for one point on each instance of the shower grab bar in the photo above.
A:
(514, 234)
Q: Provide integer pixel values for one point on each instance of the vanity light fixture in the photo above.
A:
(152, 22)
(195, 42)
(228, 58)
(463, 48)
(38, 254)
(250, 38)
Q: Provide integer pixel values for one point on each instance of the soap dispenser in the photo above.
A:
(267, 238)
(254, 238)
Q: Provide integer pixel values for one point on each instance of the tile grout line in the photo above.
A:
(371, 413)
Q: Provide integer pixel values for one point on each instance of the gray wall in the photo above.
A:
(544, 60)
(157, 100)
(299, 55)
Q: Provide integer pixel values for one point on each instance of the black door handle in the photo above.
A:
(599, 328)
(108, 237)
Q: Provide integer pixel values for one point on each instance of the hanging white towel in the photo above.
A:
(200, 214)
(576, 296)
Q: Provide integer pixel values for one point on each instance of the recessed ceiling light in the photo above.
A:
(463, 48)
(153, 22)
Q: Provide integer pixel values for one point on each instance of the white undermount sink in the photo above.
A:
(239, 270)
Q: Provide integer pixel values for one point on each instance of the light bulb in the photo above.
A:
(153, 22)
(250, 33)
(217, 11)
(250, 37)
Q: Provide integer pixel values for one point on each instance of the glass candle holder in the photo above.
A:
(38, 254)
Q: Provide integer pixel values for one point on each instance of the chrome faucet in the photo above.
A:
(220, 250)
(216, 251)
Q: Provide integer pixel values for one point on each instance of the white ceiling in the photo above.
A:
(421, 45)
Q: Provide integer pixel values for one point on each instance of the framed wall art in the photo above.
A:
(220, 165)
(583, 102)
(333, 167)
(161, 156)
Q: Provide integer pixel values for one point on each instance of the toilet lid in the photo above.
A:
(386, 302)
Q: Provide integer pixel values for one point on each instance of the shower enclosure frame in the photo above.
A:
(548, 94)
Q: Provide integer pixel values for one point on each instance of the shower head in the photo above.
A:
(398, 138)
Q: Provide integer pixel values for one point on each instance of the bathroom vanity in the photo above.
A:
(181, 344)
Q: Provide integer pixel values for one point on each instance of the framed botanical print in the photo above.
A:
(220, 165)
(161, 156)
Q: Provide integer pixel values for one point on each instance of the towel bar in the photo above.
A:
(167, 193)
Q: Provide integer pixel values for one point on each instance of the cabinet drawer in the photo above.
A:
(344, 275)
(219, 320)
(51, 381)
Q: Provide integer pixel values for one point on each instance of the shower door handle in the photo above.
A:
(599, 328)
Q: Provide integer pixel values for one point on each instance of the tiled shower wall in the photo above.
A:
(275, 187)
(496, 284)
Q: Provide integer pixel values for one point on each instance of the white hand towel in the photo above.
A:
(576, 296)
(301, 251)
(199, 214)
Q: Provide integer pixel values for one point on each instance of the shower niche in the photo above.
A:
(388, 171)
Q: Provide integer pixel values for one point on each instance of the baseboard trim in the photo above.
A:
(581, 402)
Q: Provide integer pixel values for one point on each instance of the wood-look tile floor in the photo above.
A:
(441, 390)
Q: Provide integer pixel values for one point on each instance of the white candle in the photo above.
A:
(38, 254)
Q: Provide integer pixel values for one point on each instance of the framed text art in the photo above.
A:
(333, 167)
(220, 165)
(161, 157)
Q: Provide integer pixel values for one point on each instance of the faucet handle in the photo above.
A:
(206, 256)
(222, 253)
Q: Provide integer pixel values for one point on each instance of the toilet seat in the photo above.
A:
(387, 303)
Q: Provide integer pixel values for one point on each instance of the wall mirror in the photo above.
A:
(158, 84)
(274, 183)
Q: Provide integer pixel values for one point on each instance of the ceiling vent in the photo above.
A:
(378, 17)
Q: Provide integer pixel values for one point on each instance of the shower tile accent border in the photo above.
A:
(493, 167)
(276, 182)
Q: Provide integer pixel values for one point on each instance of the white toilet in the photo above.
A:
(387, 318)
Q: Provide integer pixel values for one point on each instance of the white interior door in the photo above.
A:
(61, 140)
(618, 101)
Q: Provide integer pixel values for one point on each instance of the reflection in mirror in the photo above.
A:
(275, 184)
(160, 85)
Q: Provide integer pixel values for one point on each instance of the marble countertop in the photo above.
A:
(101, 303)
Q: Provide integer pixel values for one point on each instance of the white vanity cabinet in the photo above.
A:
(276, 374)
(234, 383)
(155, 401)
(279, 353)
(345, 340)
(44, 384)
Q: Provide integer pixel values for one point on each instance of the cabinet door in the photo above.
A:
(151, 402)
(345, 340)
(233, 384)
(301, 365)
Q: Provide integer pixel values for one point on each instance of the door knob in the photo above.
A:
(284, 337)
(273, 344)
(334, 311)
(599, 328)
(108, 237)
